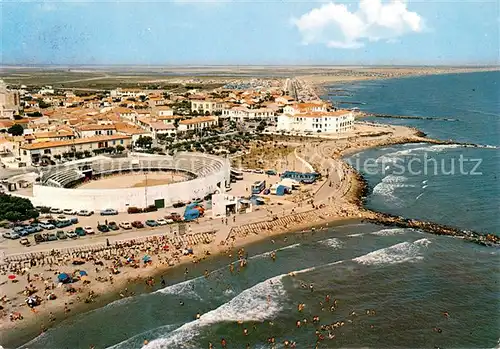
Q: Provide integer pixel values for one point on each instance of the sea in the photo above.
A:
(393, 287)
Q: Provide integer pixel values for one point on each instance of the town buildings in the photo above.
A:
(336, 121)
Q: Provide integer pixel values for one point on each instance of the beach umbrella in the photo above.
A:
(146, 258)
(83, 273)
(63, 277)
(11, 277)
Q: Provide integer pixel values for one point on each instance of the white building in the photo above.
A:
(196, 124)
(337, 121)
(239, 114)
(96, 130)
(203, 106)
(164, 111)
(9, 102)
(302, 108)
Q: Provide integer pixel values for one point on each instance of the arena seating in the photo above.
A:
(196, 164)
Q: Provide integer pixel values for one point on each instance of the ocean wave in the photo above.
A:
(389, 232)
(252, 304)
(355, 235)
(419, 196)
(399, 253)
(389, 184)
(138, 339)
(332, 242)
(268, 253)
(395, 156)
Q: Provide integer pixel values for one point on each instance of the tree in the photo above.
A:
(43, 105)
(16, 130)
(207, 113)
(120, 148)
(144, 142)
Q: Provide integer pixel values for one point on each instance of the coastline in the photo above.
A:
(135, 278)
(320, 82)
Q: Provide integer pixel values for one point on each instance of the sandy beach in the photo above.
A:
(110, 266)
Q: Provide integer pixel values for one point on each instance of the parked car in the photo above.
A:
(151, 223)
(63, 224)
(61, 235)
(258, 171)
(18, 229)
(30, 229)
(271, 172)
(80, 231)
(137, 224)
(161, 221)
(47, 226)
(125, 225)
(68, 211)
(109, 212)
(24, 242)
(55, 211)
(169, 221)
(11, 235)
(36, 227)
(85, 213)
(88, 230)
(22, 233)
(174, 216)
(39, 238)
(71, 234)
(113, 226)
(178, 204)
(73, 220)
(103, 228)
(51, 237)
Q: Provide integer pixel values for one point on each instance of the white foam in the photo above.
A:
(250, 305)
(399, 253)
(389, 232)
(288, 247)
(389, 184)
(419, 196)
(185, 288)
(355, 235)
(332, 242)
(425, 186)
(268, 253)
(147, 334)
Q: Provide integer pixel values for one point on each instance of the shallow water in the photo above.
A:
(407, 276)
(433, 184)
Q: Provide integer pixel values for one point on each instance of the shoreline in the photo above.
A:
(326, 216)
(320, 86)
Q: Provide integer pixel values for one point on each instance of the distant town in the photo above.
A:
(45, 126)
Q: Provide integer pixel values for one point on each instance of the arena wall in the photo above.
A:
(121, 199)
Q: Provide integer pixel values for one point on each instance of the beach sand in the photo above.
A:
(336, 199)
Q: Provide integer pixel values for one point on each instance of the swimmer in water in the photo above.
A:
(181, 303)
(223, 342)
(245, 332)
(198, 316)
(311, 287)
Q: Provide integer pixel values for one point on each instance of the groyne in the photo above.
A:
(387, 219)
(409, 117)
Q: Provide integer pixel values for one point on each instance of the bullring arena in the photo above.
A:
(135, 181)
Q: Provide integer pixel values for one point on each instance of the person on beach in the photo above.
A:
(163, 283)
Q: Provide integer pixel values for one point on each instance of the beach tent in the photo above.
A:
(290, 183)
(191, 214)
(146, 259)
(281, 190)
(64, 278)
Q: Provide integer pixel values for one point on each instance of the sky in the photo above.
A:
(258, 32)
